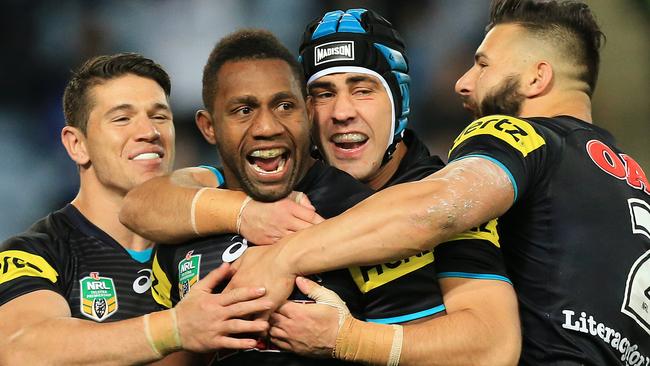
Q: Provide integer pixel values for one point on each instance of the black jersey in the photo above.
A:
(576, 241)
(67, 254)
(384, 297)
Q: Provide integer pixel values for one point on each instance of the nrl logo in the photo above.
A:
(334, 51)
(188, 272)
(98, 297)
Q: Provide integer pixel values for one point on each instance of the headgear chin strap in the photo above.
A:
(360, 41)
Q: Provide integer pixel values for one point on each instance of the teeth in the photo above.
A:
(278, 169)
(349, 137)
(146, 156)
(267, 154)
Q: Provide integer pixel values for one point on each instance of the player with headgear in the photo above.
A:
(356, 68)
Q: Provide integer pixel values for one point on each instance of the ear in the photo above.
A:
(309, 103)
(74, 142)
(539, 80)
(205, 125)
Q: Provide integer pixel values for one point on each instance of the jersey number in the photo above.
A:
(636, 303)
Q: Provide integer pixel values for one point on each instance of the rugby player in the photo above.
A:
(79, 267)
(256, 116)
(358, 84)
(573, 206)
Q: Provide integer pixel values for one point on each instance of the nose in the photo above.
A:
(147, 130)
(465, 84)
(266, 125)
(344, 108)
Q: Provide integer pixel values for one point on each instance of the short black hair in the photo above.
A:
(570, 25)
(245, 44)
(97, 70)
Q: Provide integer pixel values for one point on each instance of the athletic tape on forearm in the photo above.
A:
(241, 210)
(161, 330)
(370, 343)
(195, 200)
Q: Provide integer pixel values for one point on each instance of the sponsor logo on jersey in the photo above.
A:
(636, 303)
(142, 283)
(587, 324)
(98, 297)
(16, 263)
(334, 51)
(487, 231)
(161, 287)
(188, 272)
(234, 250)
(515, 132)
(620, 166)
(371, 277)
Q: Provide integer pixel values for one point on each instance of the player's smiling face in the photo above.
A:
(492, 84)
(260, 127)
(130, 133)
(352, 115)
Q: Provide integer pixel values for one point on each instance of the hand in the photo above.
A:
(309, 329)
(265, 223)
(262, 266)
(206, 320)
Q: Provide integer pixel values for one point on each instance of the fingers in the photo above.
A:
(241, 294)
(286, 309)
(240, 326)
(301, 199)
(280, 343)
(235, 343)
(209, 282)
(306, 286)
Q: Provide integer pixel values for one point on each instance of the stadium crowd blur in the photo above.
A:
(43, 40)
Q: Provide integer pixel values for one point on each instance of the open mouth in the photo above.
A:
(268, 161)
(147, 156)
(349, 141)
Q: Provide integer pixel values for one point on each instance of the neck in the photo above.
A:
(569, 103)
(383, 174)
(102, 207)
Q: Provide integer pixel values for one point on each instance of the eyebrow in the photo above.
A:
(244, 99)
(478, 55)
(321, 84)
(159, 106)
(283, 95)
(361, 78)
(121, 107)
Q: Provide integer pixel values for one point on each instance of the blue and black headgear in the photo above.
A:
(362, 41)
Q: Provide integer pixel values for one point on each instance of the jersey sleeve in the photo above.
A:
(474, 254)
(28, 264)
(513, 144)
(399, 291)
(162, 285)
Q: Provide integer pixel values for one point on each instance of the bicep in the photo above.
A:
(489, 299)
(31, 308)
(474, 190)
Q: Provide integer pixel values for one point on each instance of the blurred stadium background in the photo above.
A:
(43, 40)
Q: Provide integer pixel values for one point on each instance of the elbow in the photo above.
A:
(503, 351)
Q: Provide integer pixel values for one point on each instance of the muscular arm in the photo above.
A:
(481, 327)
(161, 210)
(394, 223)
(37, 328)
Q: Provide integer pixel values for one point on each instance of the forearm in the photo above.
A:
(161, 209)
(461, 338)
(70, 341)
(403, 220)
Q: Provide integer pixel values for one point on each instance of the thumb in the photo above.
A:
(301, 199)
(209, 282)
(306, 286)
